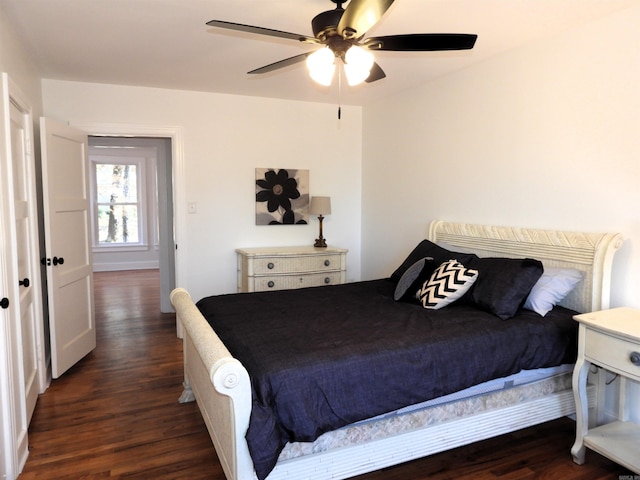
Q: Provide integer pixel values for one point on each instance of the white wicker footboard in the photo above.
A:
(220, 385)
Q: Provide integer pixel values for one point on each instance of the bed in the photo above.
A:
(434, 420)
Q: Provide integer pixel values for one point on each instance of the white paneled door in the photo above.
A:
(26, 251)
(22, 363)
(68, 244)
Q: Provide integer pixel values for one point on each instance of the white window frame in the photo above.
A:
(120, 157)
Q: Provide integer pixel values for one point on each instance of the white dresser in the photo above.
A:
(280, 268)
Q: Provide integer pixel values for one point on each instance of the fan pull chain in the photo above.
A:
(339, 94)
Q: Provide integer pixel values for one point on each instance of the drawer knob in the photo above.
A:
(327, 280)
(270, 284)
(270, 266)
(635, 358)
(327, 263)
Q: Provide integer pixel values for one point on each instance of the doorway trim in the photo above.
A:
(175, 133)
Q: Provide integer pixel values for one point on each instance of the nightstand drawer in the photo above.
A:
(612, 353)
(271, 265)
(283, 282)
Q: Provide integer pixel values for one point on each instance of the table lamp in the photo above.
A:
(320, 206)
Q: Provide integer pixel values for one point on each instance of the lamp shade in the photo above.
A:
(320, 206)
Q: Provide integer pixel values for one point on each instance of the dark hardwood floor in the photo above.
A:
(116, 413)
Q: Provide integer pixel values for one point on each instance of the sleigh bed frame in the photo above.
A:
(221, 386)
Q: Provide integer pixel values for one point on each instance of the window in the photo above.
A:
(118, 202)
(124, 203)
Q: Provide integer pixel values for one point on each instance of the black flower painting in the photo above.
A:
(278, 189)
(282, 196)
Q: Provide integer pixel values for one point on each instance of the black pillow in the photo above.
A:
(439, 255)
(412, 278)
(503, 284)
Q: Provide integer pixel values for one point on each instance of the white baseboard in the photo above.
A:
(118, 266)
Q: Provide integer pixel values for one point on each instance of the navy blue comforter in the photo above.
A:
(321, 358)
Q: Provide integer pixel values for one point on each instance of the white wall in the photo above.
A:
(15, 60)
(225, 138)
(546, 136)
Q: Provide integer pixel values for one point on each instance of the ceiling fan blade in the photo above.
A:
(282, 63)
(360, 16)
(260, 30)
(422, 42)
(376, 73)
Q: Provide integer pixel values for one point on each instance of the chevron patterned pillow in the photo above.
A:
(447, 284)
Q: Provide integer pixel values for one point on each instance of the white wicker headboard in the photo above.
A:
(591, 253)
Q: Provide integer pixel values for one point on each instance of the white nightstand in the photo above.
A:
(280, 268)
(611, 340)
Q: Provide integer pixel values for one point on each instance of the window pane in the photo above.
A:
(116, 183)
(118, 224)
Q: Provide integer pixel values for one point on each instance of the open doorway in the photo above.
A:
(133, 218)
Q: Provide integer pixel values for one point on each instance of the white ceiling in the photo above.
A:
(165, 43)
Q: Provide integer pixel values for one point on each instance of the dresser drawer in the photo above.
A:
(280, 268)
(282, 282)
(612, 353)
(315, 263)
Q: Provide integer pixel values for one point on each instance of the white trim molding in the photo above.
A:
(176, 134)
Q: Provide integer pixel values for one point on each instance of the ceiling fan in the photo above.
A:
(341, 33)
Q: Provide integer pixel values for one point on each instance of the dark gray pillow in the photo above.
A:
(503, 284)
(412, 278)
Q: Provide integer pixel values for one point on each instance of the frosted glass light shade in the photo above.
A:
(321, 65)
(358, 65)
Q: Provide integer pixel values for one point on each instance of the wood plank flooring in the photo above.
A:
(116, 413)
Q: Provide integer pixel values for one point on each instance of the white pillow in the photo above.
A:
(551, 288)
(447, 284)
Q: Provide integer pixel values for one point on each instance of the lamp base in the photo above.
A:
(320, 243)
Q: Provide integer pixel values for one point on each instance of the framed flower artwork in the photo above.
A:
(282, 196)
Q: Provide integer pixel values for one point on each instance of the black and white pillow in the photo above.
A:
(450, 281)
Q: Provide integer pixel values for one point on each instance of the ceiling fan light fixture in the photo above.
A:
(321, 65)
(342, 31)
(323, 76)
(358, 64)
